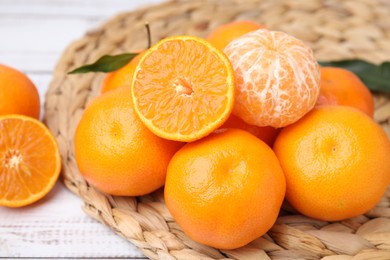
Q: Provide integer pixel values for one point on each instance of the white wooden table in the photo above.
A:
(33, 34)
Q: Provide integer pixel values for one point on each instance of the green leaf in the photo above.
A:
(107, 63)
(375, 77)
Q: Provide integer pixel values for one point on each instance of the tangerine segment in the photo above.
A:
(183, 88)
(276, 75)
(29, 160)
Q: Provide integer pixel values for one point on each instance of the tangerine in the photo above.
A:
(226, 189)
(183, 88)
(115, 152)
(267, 134)
(222, 35)
(30, 161)
(121, 77)
(18, 95)
(342, 87)
(276, 77)
(337, 162)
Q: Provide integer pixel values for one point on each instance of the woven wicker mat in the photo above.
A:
(334, 29)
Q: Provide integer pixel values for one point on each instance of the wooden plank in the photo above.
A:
(91, 9)
(30, 61)
(36, 44)
(57, 227)
(38, 31)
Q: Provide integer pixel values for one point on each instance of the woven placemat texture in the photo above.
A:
(333, 29)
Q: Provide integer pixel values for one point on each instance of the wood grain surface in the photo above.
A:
(33, 34)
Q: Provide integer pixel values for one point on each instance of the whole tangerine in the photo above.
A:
(115, 152)
(337, 163)
(267, 134)
(342, 87)
(121, 77)
(226, 189)
(224, 34)
(18, 94)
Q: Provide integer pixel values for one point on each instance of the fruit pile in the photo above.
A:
(231, 126)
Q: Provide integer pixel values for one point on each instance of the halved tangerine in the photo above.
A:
(29, 160)
(183, 88)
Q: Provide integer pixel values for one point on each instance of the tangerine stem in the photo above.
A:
(148, 34)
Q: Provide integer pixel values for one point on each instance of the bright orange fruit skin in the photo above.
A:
(226, 189)
(342, 87)
(267, 134)
(115, 152)
(30, 160)
(222, 35)
(337, 163)
(18, 95)
(121, 77)
(183, 88)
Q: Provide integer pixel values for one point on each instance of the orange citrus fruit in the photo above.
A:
(183, 88)
(18, 95)
(342, 87)
(337, 162)
(30, 162)
(222, 35)
(267, 134)
(115, 152)
(226, 189)
(121, 77)
(276, 76)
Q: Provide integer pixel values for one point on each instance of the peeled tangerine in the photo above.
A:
(276, 78)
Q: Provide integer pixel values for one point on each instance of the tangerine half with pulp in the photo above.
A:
(183, 88)
(30, 161)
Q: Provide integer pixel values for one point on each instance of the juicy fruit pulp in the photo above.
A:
(29, 160)
(183, 88)
(226, 189)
